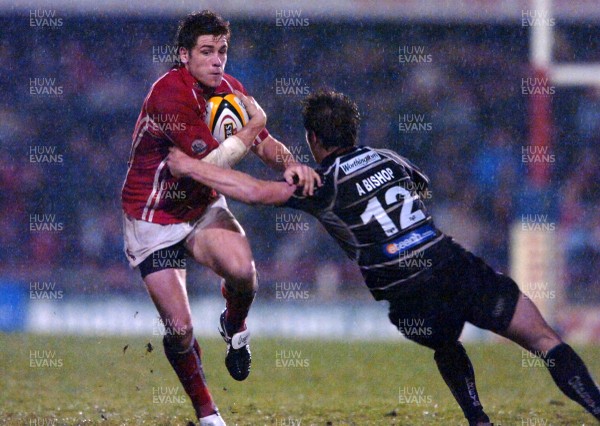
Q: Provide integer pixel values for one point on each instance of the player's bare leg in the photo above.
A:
(168, 292)
(529, 329)
(223, 247)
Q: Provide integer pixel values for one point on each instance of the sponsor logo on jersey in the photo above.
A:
(199, 146)
(412, 239)
(359, 162)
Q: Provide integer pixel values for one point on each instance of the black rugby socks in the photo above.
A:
(456, 369)
(572, 377)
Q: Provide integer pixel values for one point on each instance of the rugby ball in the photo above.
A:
(225, 115)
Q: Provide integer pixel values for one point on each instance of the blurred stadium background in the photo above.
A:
(449, 85)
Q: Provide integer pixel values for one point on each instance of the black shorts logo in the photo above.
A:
(499, 308)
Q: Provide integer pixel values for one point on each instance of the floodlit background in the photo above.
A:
(512, 149)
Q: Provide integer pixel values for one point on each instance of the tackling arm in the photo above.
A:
(234, 184)
(275, 154)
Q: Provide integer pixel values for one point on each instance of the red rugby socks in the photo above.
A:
(188, 366)
(238, 305)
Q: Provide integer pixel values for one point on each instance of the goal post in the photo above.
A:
(536, 255)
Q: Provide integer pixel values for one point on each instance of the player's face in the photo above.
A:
(206, 61)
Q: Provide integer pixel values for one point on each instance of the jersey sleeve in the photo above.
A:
(417, 175)
(176, 120)
(264, 133)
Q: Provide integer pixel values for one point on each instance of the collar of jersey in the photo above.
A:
(330, 159)
(189, 80)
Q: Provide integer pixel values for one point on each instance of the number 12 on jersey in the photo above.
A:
(407, 216)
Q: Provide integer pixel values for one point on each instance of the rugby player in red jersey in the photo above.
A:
(166, 218)
(456, 287)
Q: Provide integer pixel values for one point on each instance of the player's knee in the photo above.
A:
(179, 334)
(448, 352)
(544, 340)
(241, 276)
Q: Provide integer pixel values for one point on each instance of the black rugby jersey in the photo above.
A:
(371, 203)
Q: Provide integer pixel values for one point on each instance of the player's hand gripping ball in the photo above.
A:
(225, 116)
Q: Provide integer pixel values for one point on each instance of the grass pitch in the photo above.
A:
(48, 380)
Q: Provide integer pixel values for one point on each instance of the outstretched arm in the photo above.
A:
(237, 185)
(276, 155)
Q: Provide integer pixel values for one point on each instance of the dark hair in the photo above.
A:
(333, 117)
(197, 24)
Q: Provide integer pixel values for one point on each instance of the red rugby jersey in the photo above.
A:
(172, 114)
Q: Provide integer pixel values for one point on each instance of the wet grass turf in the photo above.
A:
(49, 380)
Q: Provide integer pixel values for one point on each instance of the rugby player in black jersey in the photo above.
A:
(369, 203)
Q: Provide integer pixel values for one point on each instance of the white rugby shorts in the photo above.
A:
(142, 238)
